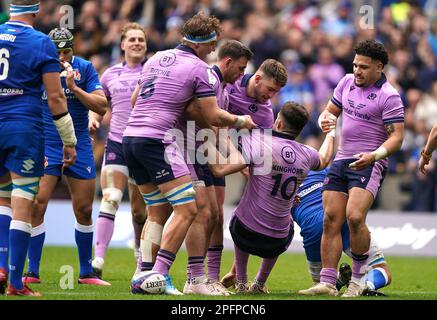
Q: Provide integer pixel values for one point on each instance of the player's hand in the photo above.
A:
(248, 123)
(422, 163)
(327, 122)
(93, 125)
(69, 156)
(69, 75)
(296, 201)
(364, 160)
(245, 173)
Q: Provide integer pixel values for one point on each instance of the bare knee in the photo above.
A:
(39, 209)
(331, 223)
(214, 216)
(83, 213)
(355, 220)
(205, 215)
(139, 212)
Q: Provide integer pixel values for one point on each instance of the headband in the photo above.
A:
(18, 9)
(201, 39)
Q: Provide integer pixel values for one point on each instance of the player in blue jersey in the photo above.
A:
(27, 60)
(84, 92)
(308, 214)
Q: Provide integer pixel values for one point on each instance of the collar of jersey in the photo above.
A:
(381, 81)
(219, 73)
(19, 23)
(282, 135)
(245, 79)
(186, 49)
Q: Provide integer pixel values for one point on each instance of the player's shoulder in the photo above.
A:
(239, 85)
(37, 36)
(348, 78)
(307, 148)
(386, 88)
(81, 62)
(115, 69)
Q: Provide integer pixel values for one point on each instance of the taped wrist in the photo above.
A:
(241, 120)
(380, 153)
(65, 128)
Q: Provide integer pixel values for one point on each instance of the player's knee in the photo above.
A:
(215, 216)
(331, 224)
(83, 210)
(355, 220)
(111, 200)
(139, 215)
(39, 209)
(205, 216)
(139, 211)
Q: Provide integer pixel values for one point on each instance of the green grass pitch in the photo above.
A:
(413, 278)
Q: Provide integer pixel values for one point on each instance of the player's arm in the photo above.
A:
(94, 101)
(426, 154)
(328, 117)
(62, 119)
(134, 97)
(217, 117)
(193, 113)
(395, 132)
(221, 166)
(326, 150)
(94, 121)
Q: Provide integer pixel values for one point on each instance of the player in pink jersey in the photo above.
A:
(372, 129)
(251, 95)
(261, 224)
(233, 57)
(118, 83)
(169, 80)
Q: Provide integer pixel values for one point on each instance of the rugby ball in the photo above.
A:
(148, 282)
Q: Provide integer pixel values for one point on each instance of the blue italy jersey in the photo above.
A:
(87, 79)
(25, 55)
(310, 194)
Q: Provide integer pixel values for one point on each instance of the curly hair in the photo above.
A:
(372, 49)
(201, 25)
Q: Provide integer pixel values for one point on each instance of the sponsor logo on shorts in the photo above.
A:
(111, 156)
(28, 166)
(162, 173)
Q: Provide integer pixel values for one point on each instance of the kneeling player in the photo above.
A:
(261, 224)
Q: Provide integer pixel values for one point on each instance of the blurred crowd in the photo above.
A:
(314, 40)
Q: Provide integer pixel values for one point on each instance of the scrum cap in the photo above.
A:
(62, 38)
